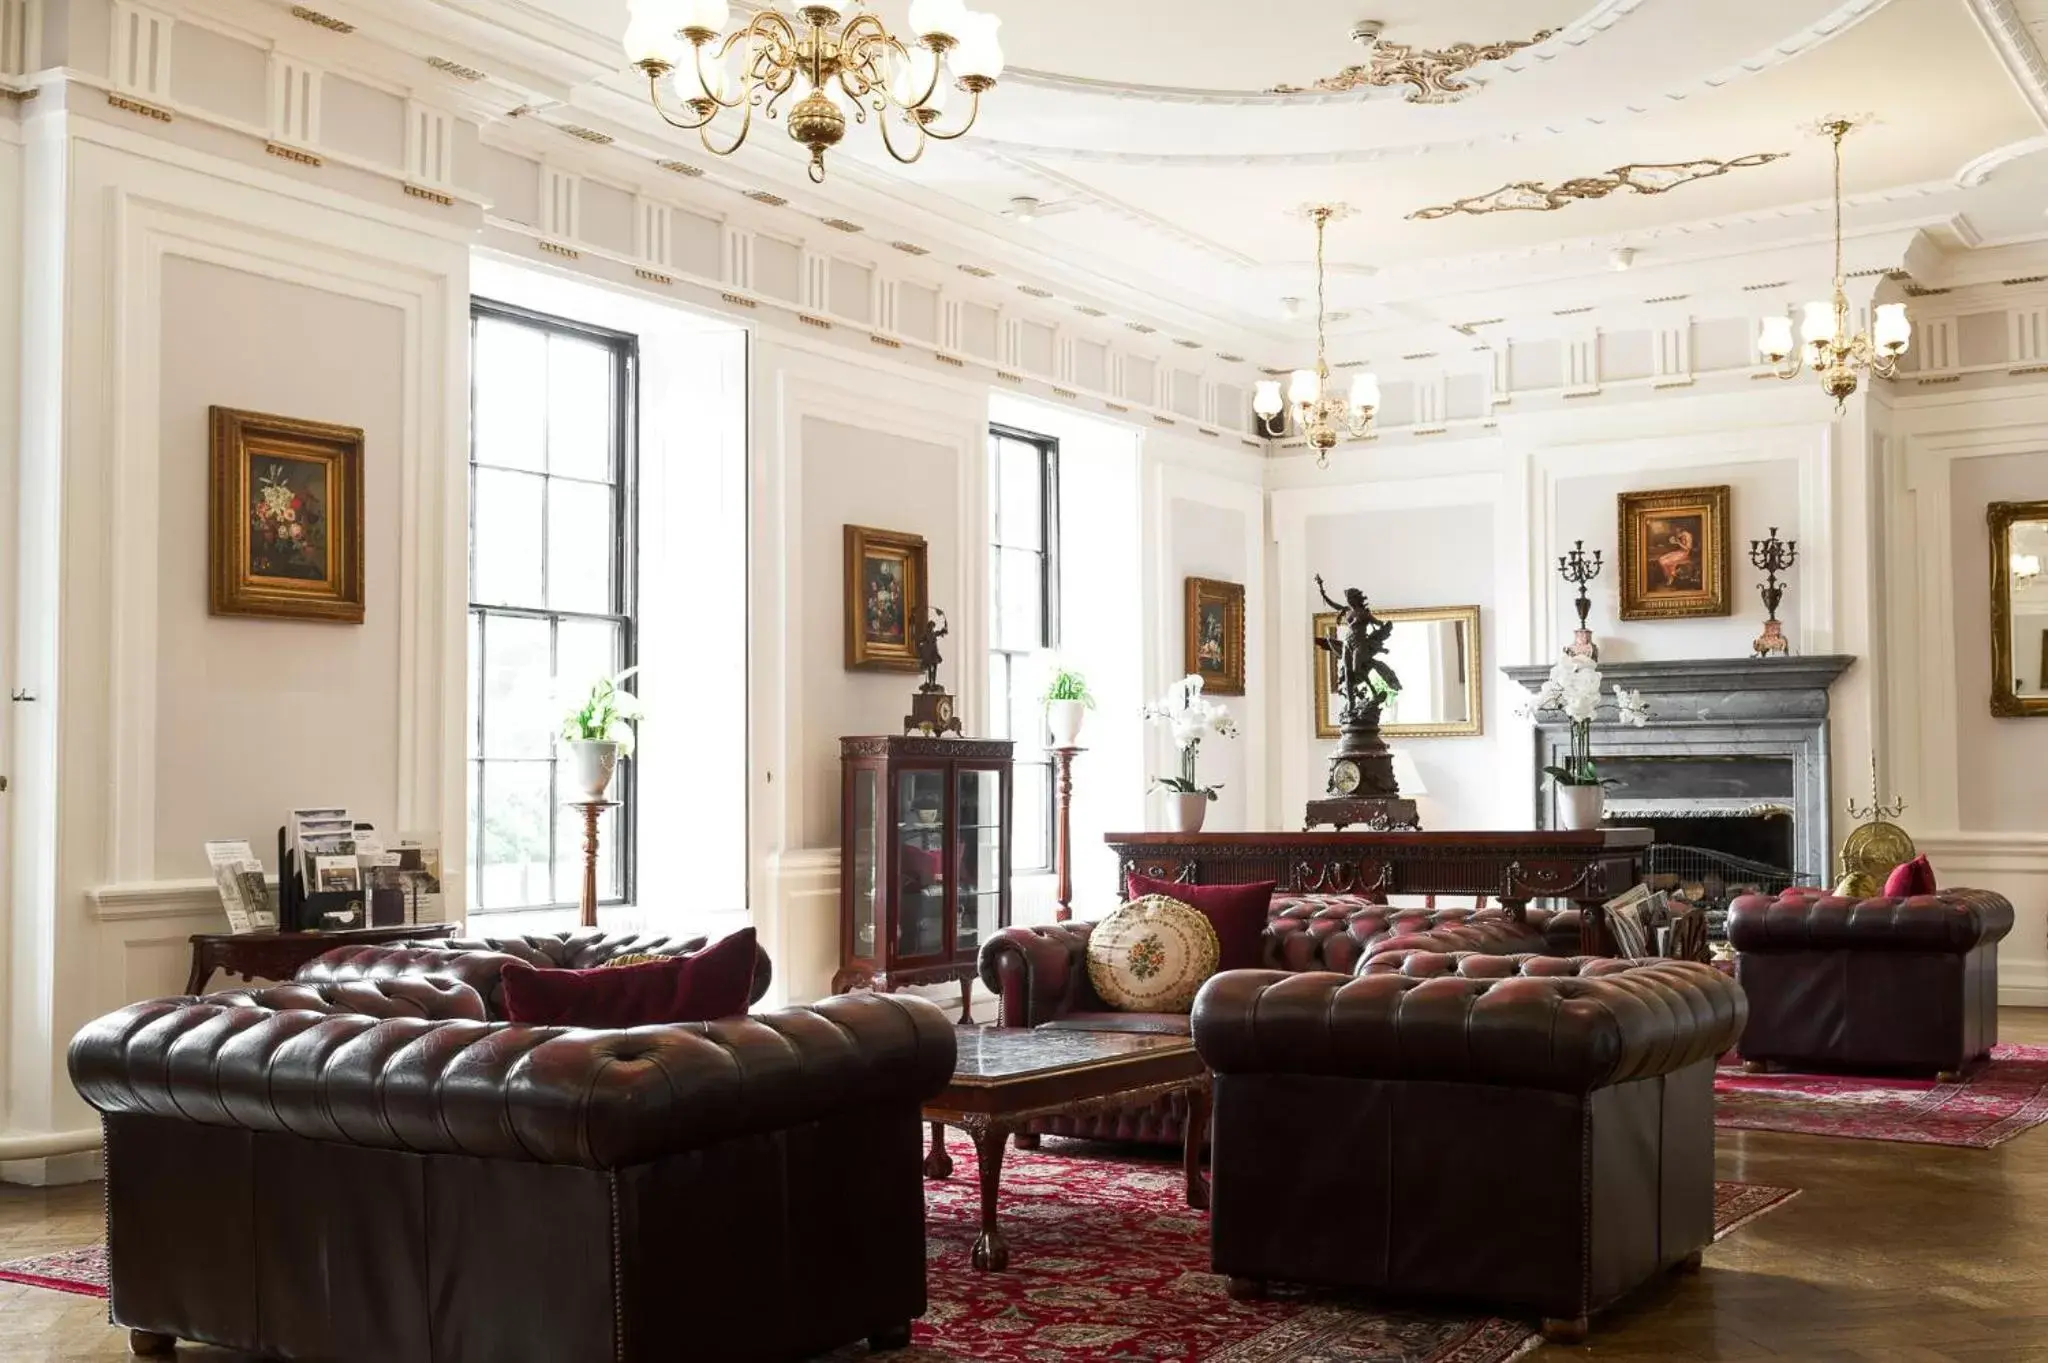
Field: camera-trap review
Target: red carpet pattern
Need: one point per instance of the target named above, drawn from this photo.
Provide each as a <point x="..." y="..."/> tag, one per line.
<point x="1996" y="1101"/>
<point x="1108" y="1265"/>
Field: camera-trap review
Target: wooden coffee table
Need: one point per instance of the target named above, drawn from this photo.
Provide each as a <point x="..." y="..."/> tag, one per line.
<point x="1008" y="1076"/>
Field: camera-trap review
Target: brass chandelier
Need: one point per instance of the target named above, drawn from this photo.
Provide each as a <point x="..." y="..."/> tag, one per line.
<point x="1323" y="416"/>
<point x="904" y="84"/>
<point x="1833" y="351"/>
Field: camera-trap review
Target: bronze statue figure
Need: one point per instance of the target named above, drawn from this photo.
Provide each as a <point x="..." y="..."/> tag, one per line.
<point x="924" y="637"/>
<point x="1360" y="639"/>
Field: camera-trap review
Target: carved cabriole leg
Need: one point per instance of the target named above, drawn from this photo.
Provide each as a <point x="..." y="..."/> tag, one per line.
<point x="1196" y="1136"/>
<point x="991" y="1250"/>
<point x="1559" y="1330"/>
<point x="889" y="1340"/>
<point x="967" y="1001"/>
<point x="1247" y="1289"/>
<point x="149" y="1344"/>
<point x="938" y="1164"/>
<point x="1518" y="909"/>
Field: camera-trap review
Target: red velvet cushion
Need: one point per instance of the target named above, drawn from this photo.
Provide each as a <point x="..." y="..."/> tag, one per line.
<point x="701" y="987"/>
<point x="1910" y="878"/>
<point x="1237" y="912"/>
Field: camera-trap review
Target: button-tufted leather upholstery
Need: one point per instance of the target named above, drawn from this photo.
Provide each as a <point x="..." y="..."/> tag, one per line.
<point x="1565" y="1105"/>
<point x="1906" y="984"/>
<point x="387" y="1174"/>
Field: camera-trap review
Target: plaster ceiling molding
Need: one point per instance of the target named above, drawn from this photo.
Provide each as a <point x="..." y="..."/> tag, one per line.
<point x="2012" y="37"/>
<point x="1979" y="171"/>
<point x="1421" y="75"/>
<point x="1530" y="196"/>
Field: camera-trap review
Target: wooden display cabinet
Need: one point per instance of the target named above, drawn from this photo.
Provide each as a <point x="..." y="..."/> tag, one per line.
<point x="924" y="859"/>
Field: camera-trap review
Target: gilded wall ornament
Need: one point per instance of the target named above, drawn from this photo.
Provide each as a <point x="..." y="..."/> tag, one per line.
<point x="1531" y="196"/>
<point x="1432" y="76"/>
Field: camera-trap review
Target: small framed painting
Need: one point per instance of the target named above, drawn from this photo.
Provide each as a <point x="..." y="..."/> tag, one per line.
<point x="1674" y="553"/>
<point x="1215" y="635"/>
<point x="286" y="535"/>
<point x="885" y="591"/>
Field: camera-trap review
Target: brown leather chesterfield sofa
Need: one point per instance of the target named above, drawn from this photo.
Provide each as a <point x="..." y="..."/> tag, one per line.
<point x="368" y="1170"/>
<point x="1528" y="1134"/>
<point x="1877" y="984"/>
<point x="1040" y="978"/>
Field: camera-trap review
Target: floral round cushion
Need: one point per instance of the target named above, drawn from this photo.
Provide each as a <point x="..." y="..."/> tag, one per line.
<point x="1151" y="955"/>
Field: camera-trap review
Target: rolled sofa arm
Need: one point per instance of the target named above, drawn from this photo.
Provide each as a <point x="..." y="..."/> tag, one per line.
<point x="586" y="948"/>
<point x="433" y="997"/>
<point x="1813" y="920"/>
<point x="480" y="970"/>
<point x="1038" y="973"/>
<point x="551" y="1095"/>
<point x="1570" y="1032"/>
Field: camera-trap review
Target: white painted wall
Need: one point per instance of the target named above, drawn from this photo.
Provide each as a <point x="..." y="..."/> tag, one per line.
<point x="2003" y="762"/>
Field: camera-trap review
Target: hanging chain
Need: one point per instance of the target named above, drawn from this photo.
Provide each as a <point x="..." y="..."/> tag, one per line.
<point x="1322" y="349"/>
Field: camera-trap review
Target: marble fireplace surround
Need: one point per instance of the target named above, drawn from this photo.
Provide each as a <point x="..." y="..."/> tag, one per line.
<point x="1772" y="710"/>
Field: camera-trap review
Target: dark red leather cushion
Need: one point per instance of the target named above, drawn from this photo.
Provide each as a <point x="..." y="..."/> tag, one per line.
<point x="1910" y="878"/>
<point x="702" y="987"/>
<point x="1237" y="912"/>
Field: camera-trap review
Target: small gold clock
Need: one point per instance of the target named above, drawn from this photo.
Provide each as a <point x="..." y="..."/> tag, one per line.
<point x="1344" y="777"/>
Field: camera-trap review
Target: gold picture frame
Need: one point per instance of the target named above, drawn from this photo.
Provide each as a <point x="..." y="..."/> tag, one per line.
<point x="1213" y="635"/>
<point x="1323" y="670"/>
<point x="2006" y="700"/>
<point x="285" y="538"/>
<point x="1674" y="553"/>
<point x="885" y="595"/>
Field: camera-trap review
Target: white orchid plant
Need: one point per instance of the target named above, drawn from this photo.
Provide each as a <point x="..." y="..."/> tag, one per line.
<point x="1191" y="719"/>
<point x="1574" y="690"/>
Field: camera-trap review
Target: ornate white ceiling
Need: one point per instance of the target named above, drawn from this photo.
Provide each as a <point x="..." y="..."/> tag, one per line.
<point x="1152" y="124"/>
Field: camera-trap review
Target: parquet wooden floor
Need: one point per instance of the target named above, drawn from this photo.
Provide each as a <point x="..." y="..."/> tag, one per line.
<point x="1896" y="1254"/>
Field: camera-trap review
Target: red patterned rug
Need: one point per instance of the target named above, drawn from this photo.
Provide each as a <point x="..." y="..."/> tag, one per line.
<point x="1994" y="1102"/>
<point x="1108" y="1265"/>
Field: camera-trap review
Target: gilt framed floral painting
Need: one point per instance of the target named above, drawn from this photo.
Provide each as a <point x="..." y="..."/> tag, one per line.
<point x="1674" y="553"/>
<point x="1214" y="629"/>
<point x="285" y="540"/>
<point x="885" y="591"/>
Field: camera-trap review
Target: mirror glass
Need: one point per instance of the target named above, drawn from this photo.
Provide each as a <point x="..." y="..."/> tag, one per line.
<point x="1435" y="652"/>
<point x="2019" y="587"/>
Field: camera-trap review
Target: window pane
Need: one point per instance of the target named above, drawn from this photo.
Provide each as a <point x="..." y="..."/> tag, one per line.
<point x="516" y="819"/>
<point x="1020" y="474"/>
<point x="999" y="696"/>
<point x="519" y="711"/>
<point x="476" y="672"/>
<point x="580" y="547"/>
<point x="1033" y="796"/>
<point x="579" y="408"/>
<point x="1027" y="716"/>
<point x="569" y="856"/>
<point x="1020" y="617"/>
<point x="585" y="650"/>
<point x="511" y="394"/>
<point x="469" y="837"/>
<point x="507" y="517"/>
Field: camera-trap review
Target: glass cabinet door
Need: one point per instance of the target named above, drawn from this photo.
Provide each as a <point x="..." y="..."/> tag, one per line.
<point x="921" y="870"/>
<point x="869" y="852"/>
<point x="978" y="839"/>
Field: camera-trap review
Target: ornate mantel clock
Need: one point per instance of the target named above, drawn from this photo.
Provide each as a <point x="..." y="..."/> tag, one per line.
<point x="1362" y="788"/>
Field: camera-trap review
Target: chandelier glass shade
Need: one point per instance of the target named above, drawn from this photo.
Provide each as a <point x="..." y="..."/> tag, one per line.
<point x="752" y="69"/>
<point x="1324" y="415"/>
<point x="1832" y="349"/>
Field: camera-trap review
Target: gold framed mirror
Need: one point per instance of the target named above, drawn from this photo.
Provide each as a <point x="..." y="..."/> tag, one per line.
<point x="1435" y="652"/>
<point x="2019" y="608"/>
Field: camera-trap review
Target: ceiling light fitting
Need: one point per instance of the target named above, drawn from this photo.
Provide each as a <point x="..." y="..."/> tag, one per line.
<point x="903" y="84"/>
<point x="1323" y="416"/>
<point x="1832" y="350"/>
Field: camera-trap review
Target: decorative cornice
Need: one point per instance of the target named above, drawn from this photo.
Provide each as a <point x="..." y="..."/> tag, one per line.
<point x="1531" y="196"/>
<point x="2014" y="42"/>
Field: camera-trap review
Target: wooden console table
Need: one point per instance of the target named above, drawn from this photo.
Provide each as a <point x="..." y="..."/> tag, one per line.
<point x="1586" y="868"/>
<point x="278" y="955"/>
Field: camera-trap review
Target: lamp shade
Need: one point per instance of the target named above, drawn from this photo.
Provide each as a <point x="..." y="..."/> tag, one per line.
<point x="910" y="76"/>
<point x="1303" y="387"/>
<point x="942" y="17"/>
<point x="710" y="16"/>
<point x="1407" y="775"/>
<point x="649" y="39"/>
<point x="1889" y="328"/>
<point x="1819" y="324"/>
<point x="1266" y="398"/>
<point x="1774" y="338"/>
<point x="1365" y="392"/>
<point x="980" y="52"/>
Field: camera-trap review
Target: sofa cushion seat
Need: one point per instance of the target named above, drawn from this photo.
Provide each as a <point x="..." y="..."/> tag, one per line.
<point x="1162" y="1024"/>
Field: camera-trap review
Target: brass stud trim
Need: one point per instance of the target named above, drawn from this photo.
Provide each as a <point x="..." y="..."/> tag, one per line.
<point x="556" y="248"/>
<point x="762" y="196"/>
<point x="431" y="196"/>
<point x="1116" y="406"/>
<point x="1189" y="345"/>
<point x="887" y="342"/>
<point x="1164" y="420"/>
<point x="1668" y="298"/>
<point x="1940" y="379"/>
<point x="1431" y="430"/>
<point x="682" y="168"/>
<point x="1570" y="312"/>
<point x="842" y="225"/>
<point x="326" y="21"/>
<point x="949" y="359"/>
<point x="1915" y="291"/>
<point x="978" y="271"/>
<point x="810" y="321"/>
<point x="739" y="300"/>
<point x="1773" y="284"/>
<point x="1229" y="359"/>
<point x="1087" y="311"/>
<point x="19" y="96"/>
<point x="1141" y="328"/>
<point x="136" y="106"/>
<point x="2024" y="279"/>
<point x="909" y="248"/>
<point x="583" y="134"/>
<point x="455" y="69"/>
<point x="1033" y="291"/>
<point x="2027" y="369"/>
<point x="1007" y="377"/>
<point x="1065" y="392"/>
<point x="304" y="158"/>
<point x="1421" y="355"/>
<point x="1583" y="393"/>
<point x="653" y="276"/>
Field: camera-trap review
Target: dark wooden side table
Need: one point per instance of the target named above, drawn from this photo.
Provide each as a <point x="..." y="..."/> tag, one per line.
<point x="1006" y="1076"/>
<point x="278" y="955"/>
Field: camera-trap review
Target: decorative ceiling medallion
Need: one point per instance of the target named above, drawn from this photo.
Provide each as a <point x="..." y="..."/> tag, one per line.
<point x="842" y="225"/>
<point x="1432" y="76"/>
<point x="1529" y="196"/>
<point x="455" y="69"/>
<point x="326" y="21"/>
<point x="762" y="196"/>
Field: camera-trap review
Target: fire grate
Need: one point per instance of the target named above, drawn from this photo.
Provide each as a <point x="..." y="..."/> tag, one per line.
<point x="1712" y="880"/>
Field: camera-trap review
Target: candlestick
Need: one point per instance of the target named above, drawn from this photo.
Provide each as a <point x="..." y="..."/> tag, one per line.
<point x="1772" y="556"/>
<point x="1578" y="569"/>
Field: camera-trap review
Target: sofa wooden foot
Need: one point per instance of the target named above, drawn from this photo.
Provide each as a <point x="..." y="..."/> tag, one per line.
<point x="1690" y="1263"/>
<point x="1026" y="1140"/>
<point x="889" y="1340"/>
<point x="1247" y="1289"/>
<point x="150" y="1344"/>
<point x="1756" y="1067"/>
<point x="1948" y="1076"/>
<point x="1562" y="1330"/>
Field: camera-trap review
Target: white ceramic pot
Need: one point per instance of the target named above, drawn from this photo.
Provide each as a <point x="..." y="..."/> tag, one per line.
<point x="1581" y="807"/>
<point x="1188" y="812"/>
<point x="1063" y="718"/>
<point x="591" y="764"/>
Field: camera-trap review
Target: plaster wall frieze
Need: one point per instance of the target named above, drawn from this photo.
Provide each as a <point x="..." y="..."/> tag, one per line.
<point x="2014" y="42"/>
<point x="1840" y="20"/>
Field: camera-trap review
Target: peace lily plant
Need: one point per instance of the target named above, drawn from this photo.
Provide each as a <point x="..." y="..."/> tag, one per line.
<point x="1191" y="719"/>
<point x="1573" y="689"/>
<point x="598" y="730"/>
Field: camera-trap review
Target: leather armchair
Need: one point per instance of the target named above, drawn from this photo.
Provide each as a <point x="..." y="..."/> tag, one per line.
<point x="1881" y="984"/>
<point x="378" y="1172"/>
<point x="1566" y="1105"/>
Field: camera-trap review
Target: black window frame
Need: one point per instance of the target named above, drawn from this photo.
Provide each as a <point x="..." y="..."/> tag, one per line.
<point x="1048" y="448"/>
<point x="625" y="348"/>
